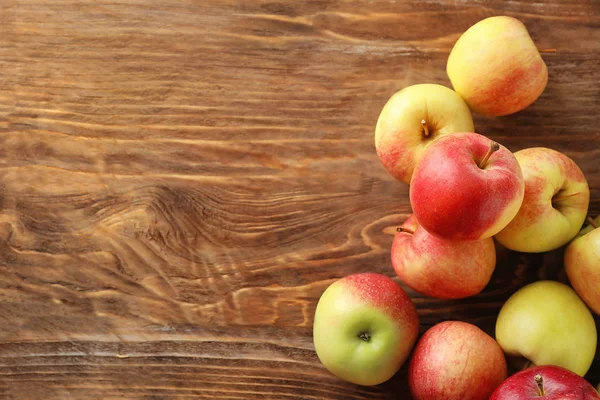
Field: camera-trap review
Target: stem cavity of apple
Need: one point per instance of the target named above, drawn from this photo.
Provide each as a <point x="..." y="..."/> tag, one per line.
<point x="493" y="148"/>
<point x="540" y="385"/>
<point x="366" y="336"/>
<point x="424" y="128"/>
<point x="566" y="196"/>
<point x="593" y="223"/>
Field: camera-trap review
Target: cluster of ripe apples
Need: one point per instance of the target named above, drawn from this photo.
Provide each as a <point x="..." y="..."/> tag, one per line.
<point x="466" y="189"/>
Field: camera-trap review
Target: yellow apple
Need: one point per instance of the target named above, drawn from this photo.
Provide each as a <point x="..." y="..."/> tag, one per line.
<point x="582" y="263"/>
<point x="413" y="118"/>
<point x="555" y="203"/>
<point x="496" y="67"/>
<point x="548" y="324"/>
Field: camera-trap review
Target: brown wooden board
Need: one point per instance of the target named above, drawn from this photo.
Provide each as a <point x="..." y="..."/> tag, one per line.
<point x="181" y="180"/>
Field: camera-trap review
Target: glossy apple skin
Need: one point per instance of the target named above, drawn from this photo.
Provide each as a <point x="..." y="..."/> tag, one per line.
<point x="547" y="323"/>
<point x="454" y="199"/>
<point x="496" y="67"/>
<point x="455" y="360"/>
<point x="399" y="138"/>
<point x="582" y="264"/>
<point x="365" y="302"/>
<point x="558" y="383"/>
<point x="539" y="225"/>
<point x="441" y="268"/>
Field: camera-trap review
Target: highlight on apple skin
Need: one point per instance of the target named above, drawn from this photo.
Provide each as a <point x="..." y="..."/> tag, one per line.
<point x="441" y="268"/>
<point x="582" y="264"/>
<point x="466" y="187"/>
<point x="412" y="119"/>
<point x="496" y="67"/>
<point x="547" y="382"/>
<point x="365" y="327"/>
<point x="455" y="360"/>
<point x="547" y="323"/>
<point x="554" y="206"/>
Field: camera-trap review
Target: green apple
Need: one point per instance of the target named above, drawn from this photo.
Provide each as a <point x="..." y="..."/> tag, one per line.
<point x="496" y="67"/>
<point x="548" y="324"/>
<point x="554" y="206"/>
<point x="582" y="264"/>
<point x="412" y="119"/>
<point x="365" y="327"/>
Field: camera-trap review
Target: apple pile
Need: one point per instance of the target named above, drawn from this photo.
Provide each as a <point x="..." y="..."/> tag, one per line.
<point x="466" y="190"/>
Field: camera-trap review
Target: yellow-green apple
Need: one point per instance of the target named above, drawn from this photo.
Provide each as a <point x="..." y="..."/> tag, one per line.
<point x="413" y="118"/>
<point x="546" y="323"/>
<point x="466" y="187"/>
<point x="555" y="203"/>
<point x="365" y="327"/>
<point x="455" y="360"/>
<point x="496" y="67"/>
<point x="582" y="263"/>
<point x="547" y="382"/>
<point x="441" y="268"/>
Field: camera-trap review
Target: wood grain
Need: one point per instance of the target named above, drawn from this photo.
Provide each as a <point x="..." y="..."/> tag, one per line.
<point x="180" y="181"/>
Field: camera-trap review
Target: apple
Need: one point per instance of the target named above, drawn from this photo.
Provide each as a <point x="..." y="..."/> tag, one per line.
<point x="555" y="203"/>
<point x="365" y="327"/>
<point x="582" y="263"/>
<point x="548" y="324"/>
<point x="441" y="268"/>
<point x="455" y="360"/>
<point x="466" y="187"/>
<point x="412" y="119"/>
<point x="546" y="382"/>
<point x="496" y="67"/>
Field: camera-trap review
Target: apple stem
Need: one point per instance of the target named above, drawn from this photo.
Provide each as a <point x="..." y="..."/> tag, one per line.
<point x="425" y="128"/>
<point x="547" y="50"/>
<point x="540" y="384"/>
<point x="560" y="198"/>
<point x="592" y="222"/>
<point x="405" y="230"/>
<point x="493" y="148"/>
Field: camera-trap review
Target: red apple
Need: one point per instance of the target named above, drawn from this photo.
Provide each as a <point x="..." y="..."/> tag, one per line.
<point x="545" y="382"/>
<point x="441" y="268"/>
<point x="455" y="360"/>
<point x="466" y="187"/>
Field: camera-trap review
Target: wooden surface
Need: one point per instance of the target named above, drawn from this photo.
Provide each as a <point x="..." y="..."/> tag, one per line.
<point x="180" y="181"/>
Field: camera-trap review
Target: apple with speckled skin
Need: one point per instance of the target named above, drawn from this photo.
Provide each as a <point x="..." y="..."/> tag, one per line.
<point x="546" y="323"/>
<point x="412" y="119"/>
<point x="365" y="327"/>
<point x="441" y="268"/>
<point x="455" y="360"/>
<point x="582" y="263"/>
<point x="547" y="382"/>
<point x="466" y="187"/>
<point x="555" y="203"/>
<point x="496" y="67"/>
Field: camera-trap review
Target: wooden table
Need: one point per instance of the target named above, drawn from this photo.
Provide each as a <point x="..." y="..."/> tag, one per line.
<point x="180" y="181"/>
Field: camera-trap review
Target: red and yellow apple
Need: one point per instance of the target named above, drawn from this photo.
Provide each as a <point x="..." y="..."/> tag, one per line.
<point x="466" y="187"/>
<point x="441" y="268"/>
<point x="456" y="360"/>
<point x="365" y="327"/>
<point x="546" y="323"/>
<point x="496" y="67"/>
<point x="555" y="203"/>
<point x="412" y="119"/>
<point x="547" y="382"/>
<point x="582" y="264"/>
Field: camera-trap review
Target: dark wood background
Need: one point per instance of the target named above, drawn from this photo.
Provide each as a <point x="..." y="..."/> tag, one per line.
<point x="180" y="181"/>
